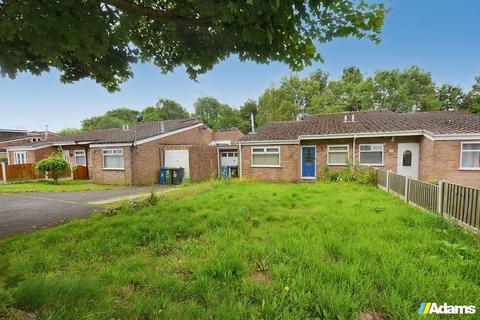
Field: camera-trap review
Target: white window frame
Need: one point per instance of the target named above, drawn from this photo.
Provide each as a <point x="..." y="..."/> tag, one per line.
<point x="336" y="151"/>
<point x="371" y="164"/>
<point x="461" y="156"/>
<point x="84" y="155"/>
<point x="112" y="150"/>
<point x="15" y="159"/>
<point x="265" y="152"/>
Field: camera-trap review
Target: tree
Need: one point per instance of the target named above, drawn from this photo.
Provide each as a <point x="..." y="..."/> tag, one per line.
<point x="472" y="101"/>
<point x="111" y="119"/>
<point x="54" y="166"/>
<point x="165" y="110"/>
<point x="68" y="131"/>
<point x="249" y="107"/>
<point x="101" y="39"/>
<point x="450" y="97"/>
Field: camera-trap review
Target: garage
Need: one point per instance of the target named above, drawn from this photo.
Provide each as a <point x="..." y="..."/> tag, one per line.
<point x="178" y="159"/>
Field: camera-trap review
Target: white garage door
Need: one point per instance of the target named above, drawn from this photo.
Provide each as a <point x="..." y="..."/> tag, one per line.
<point x="177" y="159"/>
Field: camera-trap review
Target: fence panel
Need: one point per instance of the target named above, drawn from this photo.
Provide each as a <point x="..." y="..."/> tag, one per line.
<point x="18" y="172"/>
<point x="382" y="178"/>
<point x="462" y="203"/>
<point x="423" y="194"/>
<point x="396" y="183"/>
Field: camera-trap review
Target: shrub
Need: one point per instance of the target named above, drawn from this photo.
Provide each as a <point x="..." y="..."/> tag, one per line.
<point x="3" y="159"/>
<point x="54" y="166"/>
<point x="360" y="174"/>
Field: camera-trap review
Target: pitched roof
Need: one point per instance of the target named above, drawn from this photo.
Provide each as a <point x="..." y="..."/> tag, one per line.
<point x="118" y="135"/>
<point x="380" y="121"/>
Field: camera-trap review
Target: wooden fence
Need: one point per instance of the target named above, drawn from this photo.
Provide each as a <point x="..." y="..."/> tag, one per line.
<point x="25" y="172"/>
<point x="450" y="200"/>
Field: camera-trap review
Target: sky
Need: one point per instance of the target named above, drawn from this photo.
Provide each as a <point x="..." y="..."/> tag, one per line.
<point x="440" y="36"/>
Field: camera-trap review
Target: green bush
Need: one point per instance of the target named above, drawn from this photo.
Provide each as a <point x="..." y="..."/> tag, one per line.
<point x="54" y="166"/>
<point x="360" y="174"/>
<point x="4" y="159"/>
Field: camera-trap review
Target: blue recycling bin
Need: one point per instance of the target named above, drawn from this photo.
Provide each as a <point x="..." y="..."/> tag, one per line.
<point x="163" y="175"/>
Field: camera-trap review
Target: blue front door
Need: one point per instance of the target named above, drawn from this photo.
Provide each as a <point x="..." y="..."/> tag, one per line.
<point x="308" y="162"/>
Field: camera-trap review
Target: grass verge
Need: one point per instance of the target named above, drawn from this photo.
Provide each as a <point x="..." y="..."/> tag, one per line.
<point x="48" y="186"/>
<point x="230" y="250"/>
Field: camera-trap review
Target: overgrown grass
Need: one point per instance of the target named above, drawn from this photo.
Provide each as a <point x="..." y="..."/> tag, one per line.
<point x="49" y="186"/>
<point x="231" y="250"/>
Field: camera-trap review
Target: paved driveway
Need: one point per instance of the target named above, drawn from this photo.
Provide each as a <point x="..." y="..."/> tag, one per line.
<point x="24" y="212"/>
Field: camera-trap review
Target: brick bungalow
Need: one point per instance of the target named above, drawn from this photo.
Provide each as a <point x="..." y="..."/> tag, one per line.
<point x="134" y="155"/>
<point x="442" y="145"/>
<point x="11" y="137"/>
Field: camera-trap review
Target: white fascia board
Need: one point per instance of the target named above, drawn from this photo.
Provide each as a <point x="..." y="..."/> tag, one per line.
<point x="268" y="142"/>
<point x="453" y="137"/>
<point x="66" y="143"/>
<point x="363" y="135"/>
<point x="110" y="145"/>
<point x="27" y="148"/>
<point x="163" y="135"/>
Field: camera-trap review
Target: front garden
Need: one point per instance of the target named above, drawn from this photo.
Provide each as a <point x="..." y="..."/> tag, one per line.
<point x="238" y="250"/>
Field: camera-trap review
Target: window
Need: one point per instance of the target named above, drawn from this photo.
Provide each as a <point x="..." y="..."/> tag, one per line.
<point x="470" y="156"/>
<point x="371" y="154"/>
<point x="113" y="159"/>
<point x="337" y="155"/>
<point x="20" y="157"/>
<point x="266" y="157"/>
<point x="407" y="158"/>
<point x="80" y="158"/>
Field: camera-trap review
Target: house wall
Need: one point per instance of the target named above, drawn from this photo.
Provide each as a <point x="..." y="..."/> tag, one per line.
<point x="438" y="160"/>
<point x="233" y="135"/>
<point x="203" y="160"/>
<point x="287" y="172"/>
<point x="442" y="162"/>
<point x="108" y="176"/>
<point x="290" y="157"/>
<point x="147" y="156"/>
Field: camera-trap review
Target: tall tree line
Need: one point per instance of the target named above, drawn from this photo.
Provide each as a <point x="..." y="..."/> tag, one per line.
<point x="408" y="90"/>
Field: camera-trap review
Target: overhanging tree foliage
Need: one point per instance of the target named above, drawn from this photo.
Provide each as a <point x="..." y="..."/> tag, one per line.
<point x="101" y="39"/>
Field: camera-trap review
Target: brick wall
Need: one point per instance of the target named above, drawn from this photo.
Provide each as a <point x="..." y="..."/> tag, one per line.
<point x="148" y="155"/>
<point x="443" y="163"/>
<point x="104" y="176"/>
<point x="203" y="162"/>
<point x="287" y="172"/>
<point x="233" y="135"/>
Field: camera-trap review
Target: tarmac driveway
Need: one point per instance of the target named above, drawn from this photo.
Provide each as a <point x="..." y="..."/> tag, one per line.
<point x="24" y="212"/>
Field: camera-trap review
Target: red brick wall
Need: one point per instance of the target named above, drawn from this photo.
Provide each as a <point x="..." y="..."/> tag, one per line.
<point x="147" y="155"/>
<point x="104" y="176"/>
<point x="288" y="170"/>
<point x="233" y="135"/>
<point x="203" y="162"/>
<point x="443" y="163"/>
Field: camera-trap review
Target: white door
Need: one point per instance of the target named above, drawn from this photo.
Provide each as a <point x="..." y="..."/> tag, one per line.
<point x="407" y="164"/>
<point x="178" y="159"/>
<point x="229" y="158"/>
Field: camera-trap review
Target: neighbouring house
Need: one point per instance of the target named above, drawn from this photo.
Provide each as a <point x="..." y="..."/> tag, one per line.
<point x="12" y="137"/>
<point x="134" y="154"/>
<point x="430" y="146"/>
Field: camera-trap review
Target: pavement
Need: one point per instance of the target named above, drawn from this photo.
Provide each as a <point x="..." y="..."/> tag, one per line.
<point x="25" y="212"/>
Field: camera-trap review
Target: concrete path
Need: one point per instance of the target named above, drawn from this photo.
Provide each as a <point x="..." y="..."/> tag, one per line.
<point x="24" y="212"/>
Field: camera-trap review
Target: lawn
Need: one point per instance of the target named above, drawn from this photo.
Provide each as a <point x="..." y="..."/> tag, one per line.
<point x="232" y="250"/>
<point x="48" y="186"/>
